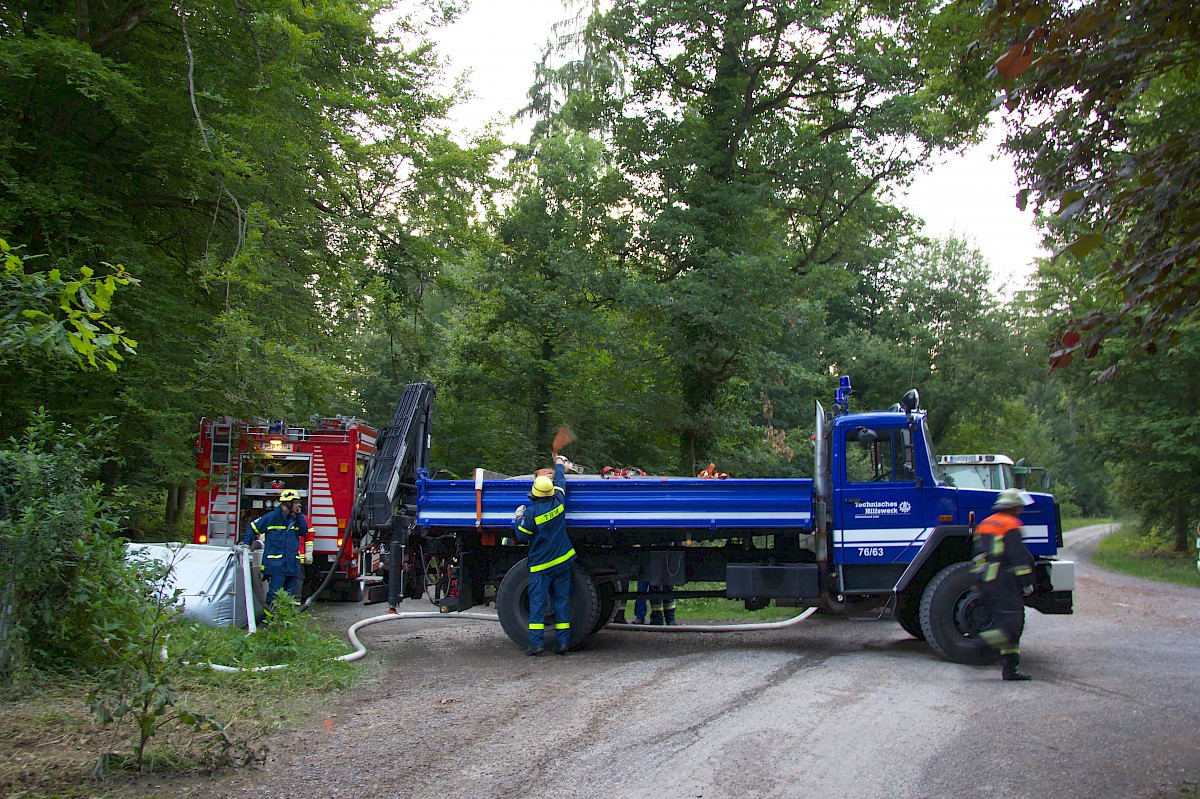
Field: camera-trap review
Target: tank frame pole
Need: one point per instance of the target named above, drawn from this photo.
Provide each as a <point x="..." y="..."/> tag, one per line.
<point x="395" y="573"/>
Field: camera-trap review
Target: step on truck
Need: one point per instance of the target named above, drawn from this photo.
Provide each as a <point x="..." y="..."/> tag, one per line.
<point x="873" y="532"/>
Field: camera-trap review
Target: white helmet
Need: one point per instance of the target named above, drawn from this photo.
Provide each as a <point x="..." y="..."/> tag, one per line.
<point x="1011" y="498"/>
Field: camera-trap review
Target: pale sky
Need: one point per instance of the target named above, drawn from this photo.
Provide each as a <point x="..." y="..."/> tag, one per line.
<point x="972" y="194"/>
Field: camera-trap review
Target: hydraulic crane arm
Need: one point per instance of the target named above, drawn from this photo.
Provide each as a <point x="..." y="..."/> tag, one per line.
<point x="401" y="450"/>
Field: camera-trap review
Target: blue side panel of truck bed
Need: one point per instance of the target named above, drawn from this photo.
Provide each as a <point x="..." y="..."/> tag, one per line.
<point x="639" y="503"/>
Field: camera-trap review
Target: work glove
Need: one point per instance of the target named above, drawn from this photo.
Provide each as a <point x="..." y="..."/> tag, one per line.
<point x="306" y="558"/>
<point x="519" y="514"/>
<point x="1027" y="590"/>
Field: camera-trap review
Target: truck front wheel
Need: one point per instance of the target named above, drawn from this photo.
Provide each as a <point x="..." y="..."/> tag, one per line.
<point x="908" y="614"/>
<point x="952" y="614"/>
<point x="512" y="605"/>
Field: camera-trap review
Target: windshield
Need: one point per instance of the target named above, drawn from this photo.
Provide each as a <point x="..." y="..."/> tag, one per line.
<point x="929" y="448"/>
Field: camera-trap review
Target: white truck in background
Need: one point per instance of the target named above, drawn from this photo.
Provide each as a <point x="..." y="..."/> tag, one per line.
<point x="992" y="471"/>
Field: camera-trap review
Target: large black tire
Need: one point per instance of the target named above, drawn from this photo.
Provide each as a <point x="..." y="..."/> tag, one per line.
<point x="953" y="613"/>
<point x="607" y="608"/>
<point x="908" y="614"/>
<point x="512" y="605"/>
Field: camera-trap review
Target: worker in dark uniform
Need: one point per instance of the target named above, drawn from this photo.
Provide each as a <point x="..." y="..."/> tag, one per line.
<point x="543" y="525"/>
<point x="1003" y="570"/>
<point x="662" y="605"/>
<point x="287" y="539"/>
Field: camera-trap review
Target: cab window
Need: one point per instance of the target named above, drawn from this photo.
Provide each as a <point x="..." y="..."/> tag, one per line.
<point x="879" y="456"/>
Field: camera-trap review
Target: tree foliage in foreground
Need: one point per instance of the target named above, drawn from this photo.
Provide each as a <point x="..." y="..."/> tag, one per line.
<point x="61" y="317"/>
<point x="1106" y="134"/>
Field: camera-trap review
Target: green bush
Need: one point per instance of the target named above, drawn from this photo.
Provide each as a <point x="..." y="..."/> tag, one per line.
<point x="67" y="594"/>
<point x="289" y="637"/>
<point x="1147" y="553"/>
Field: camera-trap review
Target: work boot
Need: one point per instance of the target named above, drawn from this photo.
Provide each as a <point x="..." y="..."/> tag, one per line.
<point x="618" y="617"/>
<point x="1010" y="671"/>
<point x="669" y="617"/>
<point x="534" y="651"/>
<point x="656" y="617"/>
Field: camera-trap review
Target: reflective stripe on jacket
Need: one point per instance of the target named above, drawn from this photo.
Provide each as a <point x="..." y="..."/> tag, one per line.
<point x="284" y="538"/>
<point x="1000" y="552"/>
<point x="544" y="527"/>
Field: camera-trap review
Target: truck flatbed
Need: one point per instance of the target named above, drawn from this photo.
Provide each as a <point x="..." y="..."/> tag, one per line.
<point x="598" y="506"/>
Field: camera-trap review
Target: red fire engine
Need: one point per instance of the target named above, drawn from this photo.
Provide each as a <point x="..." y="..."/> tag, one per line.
<point x="246" y="463"/>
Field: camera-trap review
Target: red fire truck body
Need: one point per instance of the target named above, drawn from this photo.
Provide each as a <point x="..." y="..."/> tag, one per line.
<point x="245" y="464"/>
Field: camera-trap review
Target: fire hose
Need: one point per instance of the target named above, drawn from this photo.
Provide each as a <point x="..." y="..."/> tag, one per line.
<point x="360" y="650"/>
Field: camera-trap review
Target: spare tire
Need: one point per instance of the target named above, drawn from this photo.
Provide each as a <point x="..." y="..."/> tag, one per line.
<point x="512" y="605"/>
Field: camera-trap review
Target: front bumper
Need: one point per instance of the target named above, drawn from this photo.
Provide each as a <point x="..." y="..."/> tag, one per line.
<point x="1054" y="584"/>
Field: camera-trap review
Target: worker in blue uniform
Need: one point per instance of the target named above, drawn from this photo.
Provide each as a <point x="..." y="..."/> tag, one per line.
<point x="287" y="540"/>
<point x="543" y="525"/>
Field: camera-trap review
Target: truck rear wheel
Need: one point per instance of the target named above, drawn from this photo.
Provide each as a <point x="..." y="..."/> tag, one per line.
<point x="512" y="605"/>
<point x="952" y="614"/>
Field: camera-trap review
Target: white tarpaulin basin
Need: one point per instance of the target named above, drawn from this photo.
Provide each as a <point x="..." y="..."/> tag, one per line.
<point x="213" y="581"/>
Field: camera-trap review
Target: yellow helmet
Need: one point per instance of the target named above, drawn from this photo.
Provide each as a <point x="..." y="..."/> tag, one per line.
<point x="543" y="486"/>
<point x="288" y="495"/>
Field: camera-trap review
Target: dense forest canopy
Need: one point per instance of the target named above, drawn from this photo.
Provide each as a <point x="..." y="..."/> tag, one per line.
<point x="694" y="243"/>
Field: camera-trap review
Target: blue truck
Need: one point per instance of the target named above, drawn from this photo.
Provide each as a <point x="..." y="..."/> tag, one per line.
<point x="874" y="531"/>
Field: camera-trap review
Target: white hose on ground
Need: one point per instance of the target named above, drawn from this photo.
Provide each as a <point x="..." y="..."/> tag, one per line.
<point x="360" y="651"/>
<point x="714" y="628"/>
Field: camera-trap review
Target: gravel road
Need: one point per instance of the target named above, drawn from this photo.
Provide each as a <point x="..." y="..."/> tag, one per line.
<point x="832" y="708"/>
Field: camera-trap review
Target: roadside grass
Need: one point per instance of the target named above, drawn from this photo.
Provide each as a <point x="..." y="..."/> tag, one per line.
<point x="1074" y="523"/>
<point x="726" y="610"/>
<point x="1147" y="555"/>
<point x="50" y="744"/>
<point x="718" y="609"/>
<point x="1186" y="790"/>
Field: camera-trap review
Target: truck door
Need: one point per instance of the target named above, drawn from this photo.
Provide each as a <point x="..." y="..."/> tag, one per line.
<point x="877" y="506"/>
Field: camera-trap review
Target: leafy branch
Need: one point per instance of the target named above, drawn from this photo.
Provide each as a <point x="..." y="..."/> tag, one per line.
<point x="60" y="315"/>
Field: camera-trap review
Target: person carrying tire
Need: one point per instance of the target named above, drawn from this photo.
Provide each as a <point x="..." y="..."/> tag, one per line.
<point x="543" y="525"/>
<point x="287" y="539"/>
<point x="1003" y="571"/>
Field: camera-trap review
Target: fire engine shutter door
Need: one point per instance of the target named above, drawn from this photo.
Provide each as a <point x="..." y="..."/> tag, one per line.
<point x="211" y="579"/>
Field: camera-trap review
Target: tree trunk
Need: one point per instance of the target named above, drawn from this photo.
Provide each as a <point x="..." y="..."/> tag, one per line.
<point x="176" y="501"/>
